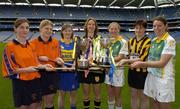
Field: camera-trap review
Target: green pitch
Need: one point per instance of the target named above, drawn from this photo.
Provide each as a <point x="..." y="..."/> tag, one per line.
<point x="6" y="101"/>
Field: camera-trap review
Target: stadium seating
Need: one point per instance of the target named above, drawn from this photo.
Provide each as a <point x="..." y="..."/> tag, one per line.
<point x="79" y="14"/>
<point x="83" y="13"/>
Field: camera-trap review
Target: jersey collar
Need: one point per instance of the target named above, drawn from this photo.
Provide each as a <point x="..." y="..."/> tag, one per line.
<point x="140" y="39"/>
<point x="41" y="40"/>
<point x="119" y="38"/>
<point x="62" y="40"/>
<point x="164" y="37"/>
<point x="18" y="43"/>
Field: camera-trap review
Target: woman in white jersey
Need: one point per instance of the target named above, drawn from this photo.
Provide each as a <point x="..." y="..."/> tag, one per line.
<point x="160" y="80"/>
<point x="115" y="78"/>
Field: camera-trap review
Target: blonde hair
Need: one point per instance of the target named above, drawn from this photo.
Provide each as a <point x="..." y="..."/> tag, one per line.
<point x="45" y="23"/>
<point x="114" y="23"/>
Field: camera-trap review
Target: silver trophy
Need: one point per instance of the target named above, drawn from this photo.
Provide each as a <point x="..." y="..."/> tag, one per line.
<point x="83" y="63"/>
<point x="105" y="44"/>
<point x="84" y="45"/>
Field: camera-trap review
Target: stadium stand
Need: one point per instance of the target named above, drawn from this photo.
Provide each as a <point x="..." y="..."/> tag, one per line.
<point x="77" y="15"/>
<point x="83" y="13"/>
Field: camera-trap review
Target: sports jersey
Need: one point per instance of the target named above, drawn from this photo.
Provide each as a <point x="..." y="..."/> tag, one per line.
<point x="95" y="46"/>
<point x="165" y="45"/>
<point x="17" y="56"/>
<point x="50" y="49"/>
<point x="119" y="46"/>
<point x="139" y="49"/>
<point x="115" y="77"/>
<point x="67" y="51"/>
<point x="69" y="77"/>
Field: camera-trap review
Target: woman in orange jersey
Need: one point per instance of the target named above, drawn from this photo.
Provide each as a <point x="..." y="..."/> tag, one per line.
<point x="47" y="50"/>
<point x="19" y="64"/>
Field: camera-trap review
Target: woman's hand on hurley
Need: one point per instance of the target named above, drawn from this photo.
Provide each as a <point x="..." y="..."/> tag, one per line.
<point x="59" y="61"/>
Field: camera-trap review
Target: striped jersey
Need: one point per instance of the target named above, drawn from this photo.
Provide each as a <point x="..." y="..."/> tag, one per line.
<point x="139" y="49"/>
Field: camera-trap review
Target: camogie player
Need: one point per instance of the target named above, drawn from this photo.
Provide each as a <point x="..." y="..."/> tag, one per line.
<point x="20" y="65"/>
<point x="90" y="77"/>
<point x="48" y="51"/>
<point x="138" y="50"/>
<point x="115" y="76"/>
<point x="160" y="81"/>
<point x="68" y="81"/>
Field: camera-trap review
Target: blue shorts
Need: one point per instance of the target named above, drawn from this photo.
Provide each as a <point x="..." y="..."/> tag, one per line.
<point x="26" y="92"/>
<point x="68" y="81"/>
<point x="49" y="82"/>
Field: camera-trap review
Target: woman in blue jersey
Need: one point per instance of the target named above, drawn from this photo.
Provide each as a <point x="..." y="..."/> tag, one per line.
<point x="68" y="78"/>
<point x="160" y="81"/>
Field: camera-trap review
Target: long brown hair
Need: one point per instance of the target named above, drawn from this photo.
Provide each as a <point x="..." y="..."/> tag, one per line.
<point x="96" y="27"/>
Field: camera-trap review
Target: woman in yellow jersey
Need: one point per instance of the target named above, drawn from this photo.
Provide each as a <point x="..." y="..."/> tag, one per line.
<point x="138" y="50"/>
<point x="90" y="77"/>
<point x="160" y="81"/>
<point x="20" y="64"/>
<point x="68" y="81"/>
<point x="48" y="52"/>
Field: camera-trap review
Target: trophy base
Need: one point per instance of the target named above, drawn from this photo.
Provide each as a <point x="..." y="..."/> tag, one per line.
<point x="104" y="66"/>
<point x="83" y="68"/>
